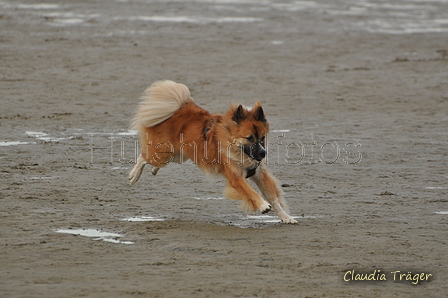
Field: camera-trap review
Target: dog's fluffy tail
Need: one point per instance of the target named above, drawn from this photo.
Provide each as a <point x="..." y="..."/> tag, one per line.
<point x="160" y="102"/>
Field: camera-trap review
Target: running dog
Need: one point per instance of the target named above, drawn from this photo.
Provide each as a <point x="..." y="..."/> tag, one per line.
<point x="172" y="128"/>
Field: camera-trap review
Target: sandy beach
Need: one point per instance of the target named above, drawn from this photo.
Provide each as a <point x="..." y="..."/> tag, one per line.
<point x="357" y="98"/>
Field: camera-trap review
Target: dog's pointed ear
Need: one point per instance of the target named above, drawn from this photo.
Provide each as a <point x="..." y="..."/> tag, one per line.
<point x="238" y="116"/>
<point x="259" y="114"/>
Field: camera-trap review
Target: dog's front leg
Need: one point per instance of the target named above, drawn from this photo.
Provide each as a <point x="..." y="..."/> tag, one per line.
<point x="270" y="188"/>
<point x="238" y="189"/>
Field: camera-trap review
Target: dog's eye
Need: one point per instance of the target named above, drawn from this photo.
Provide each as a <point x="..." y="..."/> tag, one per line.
<point x="250" y="138"/>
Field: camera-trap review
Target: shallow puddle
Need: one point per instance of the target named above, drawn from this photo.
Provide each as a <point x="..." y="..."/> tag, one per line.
<point x="131" y="132"/>
<point x="254" y="220"/>
<point x="143" y="218"/>
<point x="43" y="178"/>
<point x="96" y="234"/>
<point x="12" y="143"/>
<point x="189" y="19"/>
<point x="442" y="212"/>
<point x="209" y="198"/>
<point x="44" y="136"/>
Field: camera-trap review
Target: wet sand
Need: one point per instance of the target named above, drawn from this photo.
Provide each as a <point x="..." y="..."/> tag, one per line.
<point x="357" y="98"/>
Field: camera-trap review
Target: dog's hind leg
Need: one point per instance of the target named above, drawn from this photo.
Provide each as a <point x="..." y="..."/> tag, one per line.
<point x="154" y="170"/>
<point x="137" y="171"/>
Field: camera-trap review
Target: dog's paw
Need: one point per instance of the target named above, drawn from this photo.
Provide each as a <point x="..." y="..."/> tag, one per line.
<point x="134" y="175"/>
<point x="132" y="179"/>
<point x="265" y="208"/>
<point x="289" y="220"/>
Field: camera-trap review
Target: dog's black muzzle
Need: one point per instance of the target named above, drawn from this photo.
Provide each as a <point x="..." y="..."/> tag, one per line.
<point x="255" y="151"/>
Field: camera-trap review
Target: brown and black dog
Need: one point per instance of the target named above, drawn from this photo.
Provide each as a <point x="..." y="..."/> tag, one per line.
<point x="173" y="128"/>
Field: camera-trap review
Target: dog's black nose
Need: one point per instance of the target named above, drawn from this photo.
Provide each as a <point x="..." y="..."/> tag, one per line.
<point x="255" y="151"/>
<point x="259" y="152"/>
<point x="260" y="156"/>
